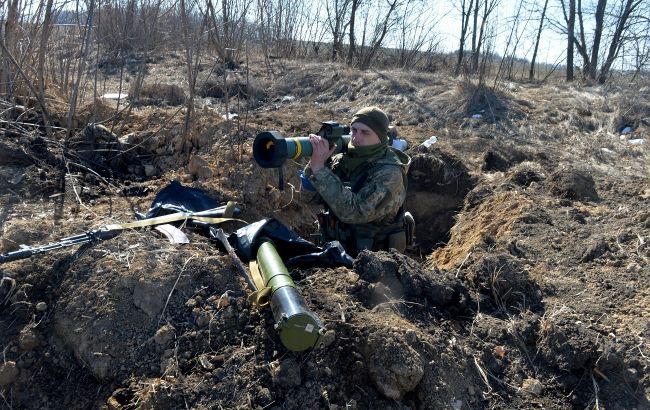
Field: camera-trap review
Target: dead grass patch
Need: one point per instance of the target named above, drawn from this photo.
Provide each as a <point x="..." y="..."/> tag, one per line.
<point x="494" y="217"/>
<point x="159" y="94"/>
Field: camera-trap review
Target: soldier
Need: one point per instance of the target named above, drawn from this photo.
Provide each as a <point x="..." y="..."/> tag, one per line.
<point x="363" y="189"/>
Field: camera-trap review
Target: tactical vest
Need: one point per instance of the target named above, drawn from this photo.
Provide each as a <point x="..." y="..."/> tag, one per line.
<point x="371" y="236"/>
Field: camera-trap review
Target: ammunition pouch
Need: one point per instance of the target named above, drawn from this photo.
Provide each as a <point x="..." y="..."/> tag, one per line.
<point x="356" y="237"/>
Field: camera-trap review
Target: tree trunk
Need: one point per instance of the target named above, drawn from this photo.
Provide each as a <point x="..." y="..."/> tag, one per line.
<point x="474" y="60"/>
<point x="531" y="72"/>
<point x="582" y="44"/>
<point x="85" y="46"/>
<point x="45" y="35"/>
<point x="617" y="39"/>
<point x="570" y="40"/>
<point x="353" y="13"/>
<point x="598" y="33"/>
<point x="8" y="40"/>
<point x="464" y="24"/>
<point x="190" y="73"/>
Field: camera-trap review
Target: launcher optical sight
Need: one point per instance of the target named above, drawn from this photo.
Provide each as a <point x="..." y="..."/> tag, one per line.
<point x="271" y="149"/>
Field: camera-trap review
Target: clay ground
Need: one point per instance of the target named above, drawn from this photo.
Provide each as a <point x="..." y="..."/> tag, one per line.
<point x="528" y="285"/>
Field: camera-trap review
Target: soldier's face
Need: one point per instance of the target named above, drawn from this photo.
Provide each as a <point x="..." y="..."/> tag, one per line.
<point x="363" y="135"/>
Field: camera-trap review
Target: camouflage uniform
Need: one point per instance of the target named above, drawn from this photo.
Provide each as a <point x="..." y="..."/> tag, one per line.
<point x="366" y="207"/>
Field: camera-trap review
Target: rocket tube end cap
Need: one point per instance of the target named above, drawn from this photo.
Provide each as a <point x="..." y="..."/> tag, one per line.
<point x="300" y="332"/>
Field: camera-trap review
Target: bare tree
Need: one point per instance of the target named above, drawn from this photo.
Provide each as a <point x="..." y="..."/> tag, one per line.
<point x="228" y="28"/>
<point x="85" y="49"/>
<point x="193" y="37"/>
<point x="45" y="35"/>
<point x="415" y="29"/>
<point x="617" y="39"/>
<point x="465" y="12"/>
<point x="570" y="19"/>
<point x="619" y="17"/>
<point x="478" y="32"/>
<point x="336" y="12"/>
<point x="8" y="39"/>
<point x="506" y="64"/>
<point x="598" y="34"/>
<point x="313" y="31"/>
<point x="379" y="34"/>
<point x="279" y="23"/>
<point x="531" y="72"/>
<point x="353" y="15"/>
<point x="641" y="47"/>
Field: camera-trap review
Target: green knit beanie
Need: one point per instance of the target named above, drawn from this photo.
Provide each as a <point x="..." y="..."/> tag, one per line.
<point x="375" y="118"/>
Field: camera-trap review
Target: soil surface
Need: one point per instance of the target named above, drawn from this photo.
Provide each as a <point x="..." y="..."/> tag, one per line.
<point x="528" y="285"/>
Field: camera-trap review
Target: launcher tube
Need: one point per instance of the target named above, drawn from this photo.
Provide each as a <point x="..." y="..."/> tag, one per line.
<point x="271" y="149"/>
<point x="299" y="327"/>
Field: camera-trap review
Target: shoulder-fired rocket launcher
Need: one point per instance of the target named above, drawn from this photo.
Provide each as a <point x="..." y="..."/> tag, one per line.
<point x="299" y="328"/>
<point x="271" y="149"/>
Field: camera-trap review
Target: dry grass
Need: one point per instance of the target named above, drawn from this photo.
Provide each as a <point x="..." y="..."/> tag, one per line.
<point x="159" y="94"/>
<point x="494" y="217"/>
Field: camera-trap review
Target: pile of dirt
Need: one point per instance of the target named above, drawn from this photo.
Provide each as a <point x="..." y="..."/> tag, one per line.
<point x="573" y="184"/>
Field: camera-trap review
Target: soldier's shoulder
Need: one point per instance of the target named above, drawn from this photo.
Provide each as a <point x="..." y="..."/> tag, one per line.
<point x="387" y="175"/>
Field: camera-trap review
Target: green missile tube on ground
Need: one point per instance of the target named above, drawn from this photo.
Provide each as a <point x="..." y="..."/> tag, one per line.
<point x="299" y="328"/>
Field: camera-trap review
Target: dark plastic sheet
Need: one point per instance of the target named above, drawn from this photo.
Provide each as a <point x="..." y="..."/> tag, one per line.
<point x="178" y="198"/>
<point x="294" y="250"/>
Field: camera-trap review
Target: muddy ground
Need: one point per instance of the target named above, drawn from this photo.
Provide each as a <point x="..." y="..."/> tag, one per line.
<point x="527" y="287"/>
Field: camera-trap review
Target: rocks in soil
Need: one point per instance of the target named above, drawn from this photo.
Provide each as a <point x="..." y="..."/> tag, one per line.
<point x="532" y="386"/>
<point x="149" y="294"/>
<point x="11" y="153"/>
<point x="573" y="184"/>
<point x="391" y="275"/>
<point x="104" y="308"/>
<point x="8" y="373"/>
<point x="437" y="185"/>
<point x="328" y="338"/>
<point x="524" y="328"/>
<point x="394" y="366"/>
<point x="571" y="346"/>
<point x="149" y="170"/>
<point x="28" y="340"/>
<point x="18" y="232"/>
<point x="164" y="335"/>
<point x="595" y="250"/>
<point x="199" y="168"/>
<point x="286" y="373"/>
<point x="100" y="149"/>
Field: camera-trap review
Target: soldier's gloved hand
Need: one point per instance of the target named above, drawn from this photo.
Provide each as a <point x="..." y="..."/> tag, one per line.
<point x="321" y="151"/>
<point x="305" y="182"/>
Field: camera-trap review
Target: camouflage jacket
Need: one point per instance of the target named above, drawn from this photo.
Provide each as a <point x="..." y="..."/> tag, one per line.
<point x="373" y="194"/>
